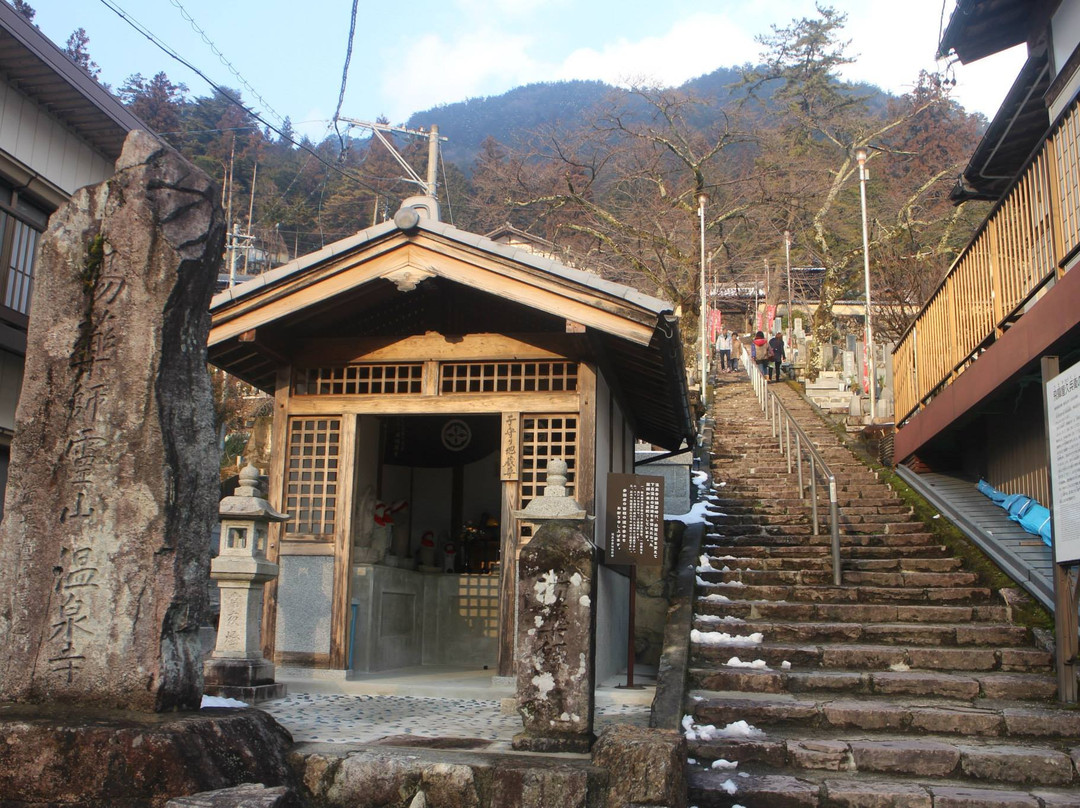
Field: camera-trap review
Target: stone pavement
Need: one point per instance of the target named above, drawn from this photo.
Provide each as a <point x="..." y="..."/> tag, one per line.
<point x="360" y="719"/>
<point x="441" y="702"/>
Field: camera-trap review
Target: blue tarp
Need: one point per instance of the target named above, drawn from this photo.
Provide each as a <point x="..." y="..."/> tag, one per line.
<point x="1028" y="513"/>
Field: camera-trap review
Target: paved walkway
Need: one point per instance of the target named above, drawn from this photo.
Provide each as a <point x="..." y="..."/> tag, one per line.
<point x="443" y="703"/>
<point x="345" y="718"/>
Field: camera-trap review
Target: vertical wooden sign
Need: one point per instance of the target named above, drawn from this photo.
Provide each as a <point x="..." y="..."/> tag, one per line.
<point x="511" y="447"/>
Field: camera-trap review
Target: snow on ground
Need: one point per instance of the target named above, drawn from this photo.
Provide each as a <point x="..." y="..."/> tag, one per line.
<point x="725" y="764"/>
<point x="713" y="618"/>
<point x="757" y="664"/>
<point x="729" y="786"/>
<point x="717" y="598"/>
<point x="696" y="514"/>
<point x="218" y="701"/>
<point x="708" y="732"/>
<point x="723" y="638"/>
<point x="700" y="478"/>
<point x="703" y="564"/>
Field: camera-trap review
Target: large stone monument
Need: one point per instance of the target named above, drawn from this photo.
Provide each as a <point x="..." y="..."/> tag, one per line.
<point x="111" y="499"/>
<point x="556" y="623"/>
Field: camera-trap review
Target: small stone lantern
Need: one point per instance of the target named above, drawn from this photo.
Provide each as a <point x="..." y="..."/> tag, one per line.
<point x="237" y="668"/>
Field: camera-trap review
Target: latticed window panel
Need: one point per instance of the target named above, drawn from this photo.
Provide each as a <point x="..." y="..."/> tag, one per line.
<point x="361" y="380"/>
<point x="312" y="476"/>
<point x="508" y="377"/>
<point x="542" y="438"/>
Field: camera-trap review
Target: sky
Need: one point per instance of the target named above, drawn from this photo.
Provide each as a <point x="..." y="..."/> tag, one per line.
<point x="408" y="57"/>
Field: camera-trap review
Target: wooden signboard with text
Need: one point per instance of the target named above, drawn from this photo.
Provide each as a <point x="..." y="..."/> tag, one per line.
<point x="635" y="520"/>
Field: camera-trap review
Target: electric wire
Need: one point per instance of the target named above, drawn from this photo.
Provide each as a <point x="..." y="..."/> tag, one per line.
<point x="228" y="96"/>
<point x="345" y="77"/>
<point x="221" y="57"/>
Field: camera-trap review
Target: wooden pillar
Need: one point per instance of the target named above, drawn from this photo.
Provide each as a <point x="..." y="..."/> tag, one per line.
<point x="509" y="473"/>
<point x="343" y="562"/>
<point x="279" y="436"/>
<point x="585" y="477"/>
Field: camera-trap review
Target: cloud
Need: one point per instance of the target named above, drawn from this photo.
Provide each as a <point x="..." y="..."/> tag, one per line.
<point x="434" y="70"/>
<point x="693" y="46"/>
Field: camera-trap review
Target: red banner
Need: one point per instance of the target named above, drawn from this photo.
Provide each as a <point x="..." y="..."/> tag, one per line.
<point x="770" y="312"/>
<point x="716" y="323"/>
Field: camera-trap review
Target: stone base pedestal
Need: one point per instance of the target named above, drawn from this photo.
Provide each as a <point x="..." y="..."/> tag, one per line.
<point x="84" y="758"/>
<point x="250" y="680"/>
<point x="525" y="742"/>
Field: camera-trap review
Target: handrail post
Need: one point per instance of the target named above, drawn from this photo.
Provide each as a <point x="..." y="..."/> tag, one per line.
<point x="787" y="430"/>
<point x="798" y="462"/>
<point x="813" y="493"/>
<point x="834" y="519"/>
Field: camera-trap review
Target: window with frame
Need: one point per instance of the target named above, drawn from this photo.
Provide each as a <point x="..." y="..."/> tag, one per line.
<point x="311" y="477"/>
<point x="21" y="226"/>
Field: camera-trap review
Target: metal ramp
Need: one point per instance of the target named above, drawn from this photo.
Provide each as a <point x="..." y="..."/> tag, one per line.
<point x="1020" y="554"/>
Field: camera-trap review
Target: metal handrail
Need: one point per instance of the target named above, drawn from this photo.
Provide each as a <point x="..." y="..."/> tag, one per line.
<point x="783" y="424"/>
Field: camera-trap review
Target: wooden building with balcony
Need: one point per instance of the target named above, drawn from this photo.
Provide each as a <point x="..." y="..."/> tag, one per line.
<point x="968" y="383"/>
<point x="423" y="376"/>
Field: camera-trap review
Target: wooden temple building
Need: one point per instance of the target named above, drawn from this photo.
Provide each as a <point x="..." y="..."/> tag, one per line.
<point x="422" y="377"/>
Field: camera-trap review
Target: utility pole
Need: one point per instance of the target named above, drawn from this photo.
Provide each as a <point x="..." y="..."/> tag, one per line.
<point x="702" y="199"/>
<point x="868" y="350"/>
<point x="378" y="129"/>
<point x="787" y="258"/>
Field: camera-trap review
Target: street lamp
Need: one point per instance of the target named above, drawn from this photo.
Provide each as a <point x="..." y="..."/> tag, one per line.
<point x="868" y="348"/>
<point x="702" y="199"/>
<point x="787" y="258"/>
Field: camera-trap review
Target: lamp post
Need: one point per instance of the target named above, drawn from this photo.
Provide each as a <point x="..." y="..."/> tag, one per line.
<point x="787" y="258"/>
<point x="702" y="199"/>
<point x="868" y="348"/>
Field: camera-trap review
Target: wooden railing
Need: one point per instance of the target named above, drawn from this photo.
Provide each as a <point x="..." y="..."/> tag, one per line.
<point x="1027" y="241"/>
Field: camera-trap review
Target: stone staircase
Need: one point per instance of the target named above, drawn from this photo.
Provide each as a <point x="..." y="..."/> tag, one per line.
<point x="908" y="685"/>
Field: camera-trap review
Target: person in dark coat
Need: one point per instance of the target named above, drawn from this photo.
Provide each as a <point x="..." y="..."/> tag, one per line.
<point x="777" y="346"/>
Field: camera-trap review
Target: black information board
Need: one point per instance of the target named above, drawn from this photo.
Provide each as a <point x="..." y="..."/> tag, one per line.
<point x="635" y="520"/>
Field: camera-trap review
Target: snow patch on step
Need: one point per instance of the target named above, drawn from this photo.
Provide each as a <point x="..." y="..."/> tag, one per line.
<point x="757" y="664"/>
<point x="709" y="732"/>
<point x="723" y="638"/>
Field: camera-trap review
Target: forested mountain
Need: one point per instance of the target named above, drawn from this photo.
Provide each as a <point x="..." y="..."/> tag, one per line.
<point x="622" y="180"/>
<point x="505" y="117"/>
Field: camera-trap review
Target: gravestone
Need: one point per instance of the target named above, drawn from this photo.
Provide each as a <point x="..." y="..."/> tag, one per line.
<point x="112" y="494"/>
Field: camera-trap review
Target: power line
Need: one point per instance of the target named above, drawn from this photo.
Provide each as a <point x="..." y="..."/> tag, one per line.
<point x="168" y="51"/>
<point x="345" y="75"/>
<point x="221" y="57"/>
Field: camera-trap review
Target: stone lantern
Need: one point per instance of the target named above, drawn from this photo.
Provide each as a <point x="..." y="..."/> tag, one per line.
<point x="237" y="668"/>
<point x="556" y="622"/>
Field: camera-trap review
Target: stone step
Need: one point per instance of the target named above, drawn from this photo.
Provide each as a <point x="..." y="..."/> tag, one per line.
<point x="964" y="635"/>
<point x="715" y="546"/>
<point x="801" y="535"/>
<point x="819" y="557"/>
<point x="969" y="687"/>
<point x="870" y="656"/>
<point x="854" y="612"/>
<point x="977" y="760"/>
<point x="823" y="576"/>
<point x="852" y="594"/>
<point x="710" y="790"/>
<point x="892" y="716"/>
